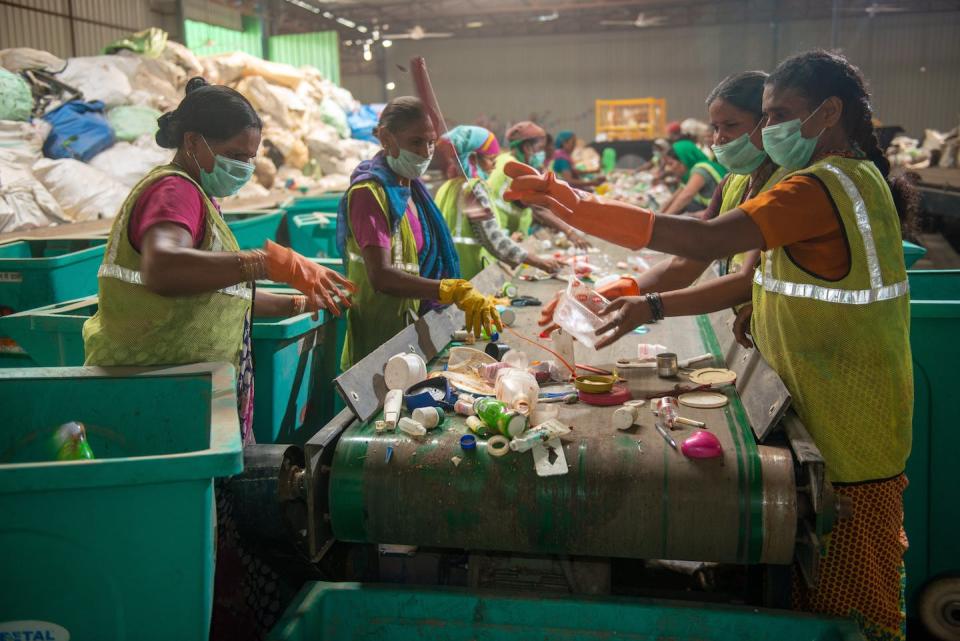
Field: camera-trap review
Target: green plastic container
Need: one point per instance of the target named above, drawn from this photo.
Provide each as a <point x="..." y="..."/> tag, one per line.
<point x="121" y="547"/>
<point x="912" y="253"/>
<point x="34" y="273"/>
<point x="295" y="368"/>
<point x="314" y="235"/>
<point x="253" y="228"/>
<point x="327" y="203"/>
<point x="931" y="519"/>
<point x="351" y="611"/>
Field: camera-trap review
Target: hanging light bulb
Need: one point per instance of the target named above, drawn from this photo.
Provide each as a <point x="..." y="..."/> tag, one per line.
<point x="367" y="54"/>
<point x="388" y="43"/>
<point x="391" y="86"/>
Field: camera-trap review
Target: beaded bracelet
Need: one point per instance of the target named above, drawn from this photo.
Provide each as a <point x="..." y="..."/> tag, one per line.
<point x="656" y="306"/>
<point x="299" y="304"/>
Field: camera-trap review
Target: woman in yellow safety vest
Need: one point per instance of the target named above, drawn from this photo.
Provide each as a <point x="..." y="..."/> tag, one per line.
<point x="466" y="203"/>
<point x="830" y="310"/>
<point x="176" y="289"/>
<point x="395" y="241"/>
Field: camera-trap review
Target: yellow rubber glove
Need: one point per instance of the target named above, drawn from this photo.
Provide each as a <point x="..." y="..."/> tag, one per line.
<point x="619" y="223"/>
<point x="480" y="311"/>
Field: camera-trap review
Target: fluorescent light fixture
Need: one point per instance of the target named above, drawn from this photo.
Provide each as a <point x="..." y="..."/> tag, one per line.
<point x="347" y="23"/>
<point x="476" y="24"/>
<point x="388" y="43"/>
<point x="367" y="55"/>
<point x="376" y="34"/>
<point x="362" y="29"/>
<point x="328" y="15"/>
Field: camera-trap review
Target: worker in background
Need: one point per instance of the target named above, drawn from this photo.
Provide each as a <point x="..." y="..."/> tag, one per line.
<point x="698" y="177"/>
<point x="395" y="241"/>
<point x="465" y="201"/>
<point x="830" y="310"/>
<point x="675" y="132"/>
<point x="176" y="289"/>
<point x="563" y="164"/>
<point x="736" y="115"/>
<point x="527" y="142"/>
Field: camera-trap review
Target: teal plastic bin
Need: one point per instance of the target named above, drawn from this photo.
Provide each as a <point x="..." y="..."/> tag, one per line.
<point x="931" y="518"/>
<point x="912" y="253"/>
<point x="296" y="361"/>
<point x="35" y="272"/>
<point x="351" y="611"/>
<point x="326" y="203"/>
<point x="121" y="547"/>
<point x="253" y="228"/>
<point x="314" y="235"/>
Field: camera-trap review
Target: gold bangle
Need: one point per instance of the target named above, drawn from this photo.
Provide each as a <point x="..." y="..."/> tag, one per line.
<point x="299" y="305"/>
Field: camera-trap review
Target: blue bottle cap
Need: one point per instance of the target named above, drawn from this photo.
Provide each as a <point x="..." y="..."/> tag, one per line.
<point x="468" y="442"/>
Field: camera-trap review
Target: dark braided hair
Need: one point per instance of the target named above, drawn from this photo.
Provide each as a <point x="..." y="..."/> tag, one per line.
<point x="819" y="75"/>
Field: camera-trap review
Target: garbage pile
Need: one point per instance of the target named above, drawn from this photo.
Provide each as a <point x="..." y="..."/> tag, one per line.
<point x="938" y="150"/>
<point x="77" y="134"/>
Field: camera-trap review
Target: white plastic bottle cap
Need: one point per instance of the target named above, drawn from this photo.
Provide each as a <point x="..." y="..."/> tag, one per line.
<point x="624" y="417"/>
<point x="403" y="370"/>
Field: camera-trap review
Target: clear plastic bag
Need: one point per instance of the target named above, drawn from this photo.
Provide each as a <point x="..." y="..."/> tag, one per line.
<point x="577" y="312"/>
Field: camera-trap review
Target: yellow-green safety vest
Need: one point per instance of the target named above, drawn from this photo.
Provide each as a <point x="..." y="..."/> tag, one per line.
<point x="134" y="326"/>
<point x="717" y="178"/>
<point x="376" y="317"/>
<point x="451" y="199"/>
<point x="732" y="193"/>
<point x="843" y="347"/>
<point x="509" y="216"/>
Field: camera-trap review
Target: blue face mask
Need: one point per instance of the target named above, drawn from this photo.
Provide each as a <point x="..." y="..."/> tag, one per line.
<point x="408" y="164"/>
<point x="538" y="159"/>
<point x="785" y="144"/>
<point x="227" y="177"/>
<point x="740" y="156"/>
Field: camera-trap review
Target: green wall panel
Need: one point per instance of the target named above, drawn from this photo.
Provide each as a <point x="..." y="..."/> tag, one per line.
<point x="207" y="39"/>
<point x="320" y="49"/>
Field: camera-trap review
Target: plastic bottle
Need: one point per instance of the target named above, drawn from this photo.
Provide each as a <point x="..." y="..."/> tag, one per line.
<point x="464" y="405"/>
<point x="496" y="415"/>
<point x="667" y="411"/>
<point x="411" y="427"/>
<point x="518" y="389"/>
<point x="70" y="442"/>
<point x="429" y="417"/>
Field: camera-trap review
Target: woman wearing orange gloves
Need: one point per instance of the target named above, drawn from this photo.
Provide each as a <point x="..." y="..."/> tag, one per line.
<point x="830" y="309"/>
<point x="395" y="241"/>
<point x="176" y="289"/>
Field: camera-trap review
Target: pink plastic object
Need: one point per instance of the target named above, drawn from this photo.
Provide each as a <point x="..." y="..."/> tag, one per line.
<point x="702" y="445"/>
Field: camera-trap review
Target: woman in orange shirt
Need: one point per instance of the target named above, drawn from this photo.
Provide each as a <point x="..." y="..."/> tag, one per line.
<point x="830" y="309"/>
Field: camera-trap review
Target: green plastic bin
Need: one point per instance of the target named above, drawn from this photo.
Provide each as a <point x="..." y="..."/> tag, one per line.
<point x="912" y="253"/>
<point x="253" y="228"/>
<point x="38" y="272"/>
<point x="295" y="365"/>
<point x="326" y="203"/>
<point x="351" y="611"/>
<point x="931" y="518"/>
<point x="121" y="547"/>
<point x="314" y="235"/>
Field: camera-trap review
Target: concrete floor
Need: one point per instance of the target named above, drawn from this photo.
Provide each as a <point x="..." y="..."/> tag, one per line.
<point x="940" y="254"/>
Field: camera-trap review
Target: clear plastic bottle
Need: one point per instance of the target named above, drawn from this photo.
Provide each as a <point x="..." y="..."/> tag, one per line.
<point x="518" y="389"/>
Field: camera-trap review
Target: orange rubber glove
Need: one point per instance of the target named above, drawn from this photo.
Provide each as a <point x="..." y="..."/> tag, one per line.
<point x="318" y="284"/>
<point x="623" y="286"/>
<point x="480" y="311"/>
<point x="619" y="223"/>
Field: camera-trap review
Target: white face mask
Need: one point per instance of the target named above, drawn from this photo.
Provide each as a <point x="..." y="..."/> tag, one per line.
<point x="409" y="164"/>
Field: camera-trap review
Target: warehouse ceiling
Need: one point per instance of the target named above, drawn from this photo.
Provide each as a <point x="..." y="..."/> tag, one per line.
<point x="486" y="18"/>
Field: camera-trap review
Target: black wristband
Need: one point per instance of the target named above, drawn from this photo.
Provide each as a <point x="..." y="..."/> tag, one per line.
<point x="656" y="306"/>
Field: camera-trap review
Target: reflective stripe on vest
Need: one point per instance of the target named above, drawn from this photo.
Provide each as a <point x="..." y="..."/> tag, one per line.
<point x="110" y="268"/>
<point x="877" y="292"/>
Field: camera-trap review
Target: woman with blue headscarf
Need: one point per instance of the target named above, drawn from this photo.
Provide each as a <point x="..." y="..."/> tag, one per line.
<point x="394" y="241"/>
<point x="563" y="165"/>
<point x="465" y="202"/>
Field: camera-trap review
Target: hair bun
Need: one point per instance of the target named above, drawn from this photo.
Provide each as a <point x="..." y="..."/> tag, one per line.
<point x="195" y="83"/>
<point x="168" y="133"/>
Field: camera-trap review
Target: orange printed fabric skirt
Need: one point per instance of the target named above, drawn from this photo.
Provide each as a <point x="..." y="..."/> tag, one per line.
<point x="861" y="571"/>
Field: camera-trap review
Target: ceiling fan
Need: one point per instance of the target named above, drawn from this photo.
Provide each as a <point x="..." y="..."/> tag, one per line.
<point x="416" y="33"/>
<point x="875" y="8"/>
<point x="640" y="22"/>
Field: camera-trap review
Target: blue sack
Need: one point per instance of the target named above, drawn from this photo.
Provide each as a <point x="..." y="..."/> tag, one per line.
<point x="80" y="131"/>
<point x="363" y="121"/>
